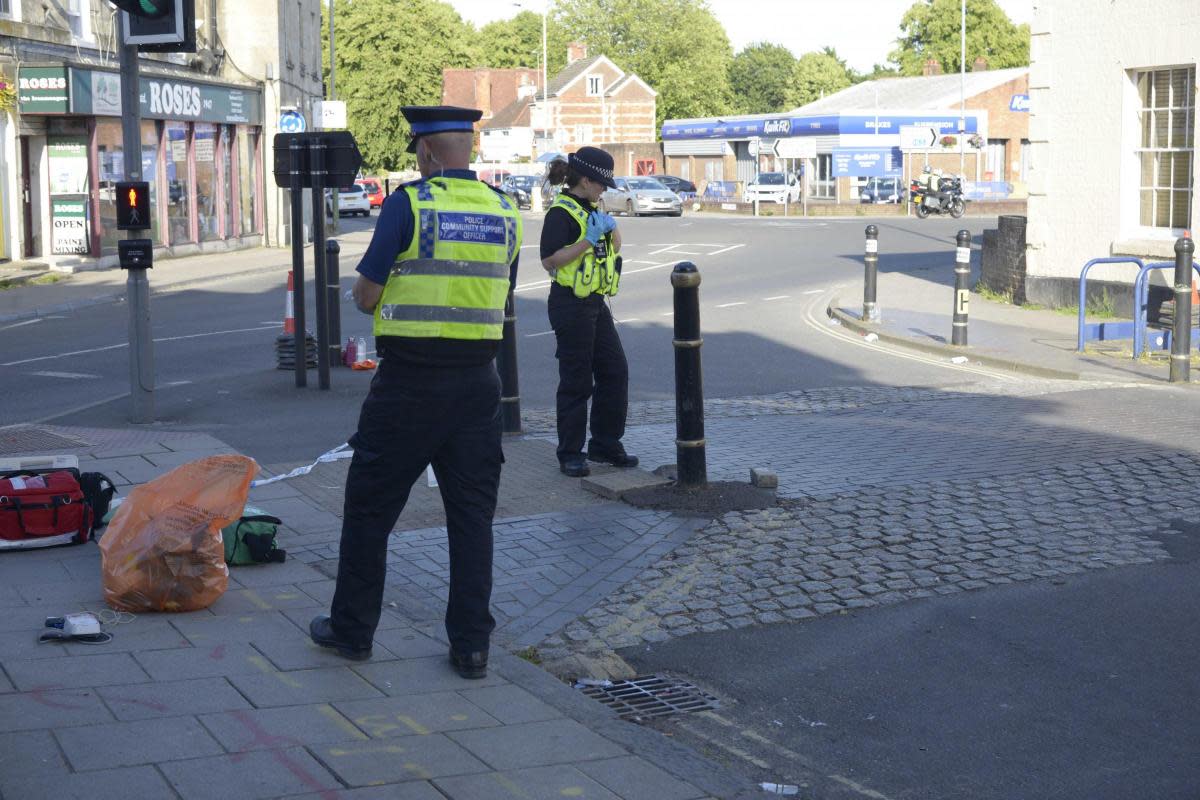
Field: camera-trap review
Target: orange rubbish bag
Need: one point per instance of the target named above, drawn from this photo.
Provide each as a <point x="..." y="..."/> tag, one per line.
<point x="162" y="551"/>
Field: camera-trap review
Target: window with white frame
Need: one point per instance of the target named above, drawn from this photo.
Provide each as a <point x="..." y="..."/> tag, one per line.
<point x="583" y="134"/>
<point x="10" y="9"/>
<point x="79" y="18"/>
<point x="1167" y="125"/>
<point x="595" y="85"/>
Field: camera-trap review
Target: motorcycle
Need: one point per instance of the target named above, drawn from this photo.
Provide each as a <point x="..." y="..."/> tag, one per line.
<point x="952" y="202"/>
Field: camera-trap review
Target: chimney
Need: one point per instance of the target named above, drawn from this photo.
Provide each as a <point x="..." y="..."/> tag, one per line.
<point x="576" y="51"/>
<point x="932" y="67"/>
<point x="483" y="92"/>
<point x="980" y="65"/>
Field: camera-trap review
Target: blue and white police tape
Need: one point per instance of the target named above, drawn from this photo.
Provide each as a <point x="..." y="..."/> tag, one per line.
<point x="338" y="453"/>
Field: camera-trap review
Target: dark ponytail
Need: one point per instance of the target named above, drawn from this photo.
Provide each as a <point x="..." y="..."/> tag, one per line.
<point x="559" y="172"/>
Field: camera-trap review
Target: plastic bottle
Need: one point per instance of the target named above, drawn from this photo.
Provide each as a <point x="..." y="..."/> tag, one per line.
<point x="361" y="349"/>
<point x="349" y="356"/>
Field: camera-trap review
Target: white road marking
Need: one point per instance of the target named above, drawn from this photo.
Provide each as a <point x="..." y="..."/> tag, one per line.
<point x="644" y="269"/>
<point x="662" y="249"/>
<point x="776" y="297"/>
<point x="813" y="291"/>
<point x="688" y="253"/>
<point x="67" y="375"/>
<point x="126" y="344"/>
<point x="627" y="321"/>
<point x="534" y="335"/>
<point x="668" y="314"/>
<point x="528" y="286"/>
<point x="20" y="324"/>
<point x="730" y="305"/>
<point x="726" y="249"/>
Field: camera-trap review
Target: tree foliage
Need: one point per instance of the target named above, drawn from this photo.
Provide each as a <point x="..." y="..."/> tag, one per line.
<point x="382" y="65"/>
<point x="677" y="46"/>
<point x="760" y="77"/>
<point x="816" y="75"/>
<point x="517" y="42"/>
<point x="931" y="29"/>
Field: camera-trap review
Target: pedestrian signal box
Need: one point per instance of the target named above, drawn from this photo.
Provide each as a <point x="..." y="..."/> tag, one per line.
<point x="133" y="205"/>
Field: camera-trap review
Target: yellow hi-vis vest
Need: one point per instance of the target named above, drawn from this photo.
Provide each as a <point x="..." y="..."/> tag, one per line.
<point x="588" y="274"/>
<point x="452" y="280"/>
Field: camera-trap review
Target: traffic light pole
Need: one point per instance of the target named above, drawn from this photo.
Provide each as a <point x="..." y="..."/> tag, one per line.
<point x="137" y="286"/>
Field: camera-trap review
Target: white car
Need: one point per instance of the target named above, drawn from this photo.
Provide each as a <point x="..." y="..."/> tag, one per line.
<point x="352" y="200"/>
<point x="772" y="187"/>
<point x="640" y="195"/>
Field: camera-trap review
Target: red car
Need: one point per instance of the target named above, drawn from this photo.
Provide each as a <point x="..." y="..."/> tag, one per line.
<point x="374" y="191"/>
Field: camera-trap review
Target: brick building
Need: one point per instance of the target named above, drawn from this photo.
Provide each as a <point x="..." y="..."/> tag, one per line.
<point x="488" y="89"/>
<point x="591" y="102"/>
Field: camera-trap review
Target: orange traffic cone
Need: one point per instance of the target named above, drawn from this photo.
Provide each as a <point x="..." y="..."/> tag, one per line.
<point x="289" y="309"/>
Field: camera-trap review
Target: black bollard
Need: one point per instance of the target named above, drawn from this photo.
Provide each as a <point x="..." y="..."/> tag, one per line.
<point x="1181" y="331"/>
<point x="689" y="388"/>
<point x="870" y="312"/>
<point x="962" y="291"/>
<point x="506" y="364"/>
<point x="333" y="280"/>
<point x="387" y="187"/>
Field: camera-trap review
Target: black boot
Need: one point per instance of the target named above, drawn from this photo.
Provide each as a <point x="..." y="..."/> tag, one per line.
<point x="574" y="466"/>
<point x="470" y="665"/>
<point x="322" y="633"/>
<point x="618" y="458"/>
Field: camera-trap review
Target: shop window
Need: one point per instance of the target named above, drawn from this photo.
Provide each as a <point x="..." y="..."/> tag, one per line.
<point x="71" y="213"/>
<point x="993" y="160"/>
<point x="1025" y="156"/>
<point x="1167" y="122"/>
<point x="823" y="183"/>
<point x="248" y="174"/>
<point x="110" y="165"/>
<point x="178" y="184"/>
<point x="204" y="147"/>
<point x="714" y="171"/>
<point x="685" y="169"/>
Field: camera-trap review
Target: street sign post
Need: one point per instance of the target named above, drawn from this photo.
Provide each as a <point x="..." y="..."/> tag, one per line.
<point x="313" y="160"/>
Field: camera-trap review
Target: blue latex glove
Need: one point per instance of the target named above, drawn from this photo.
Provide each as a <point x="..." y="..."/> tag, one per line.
<point x="595" y="229"/>
<point x="608" y="223"/>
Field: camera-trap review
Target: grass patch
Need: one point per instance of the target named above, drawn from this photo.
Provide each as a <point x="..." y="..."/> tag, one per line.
<point x="41" y="280"/>
<point x="993" y="295"/>
<point x="531" y="655"/>
<point x="1099" y="308"/>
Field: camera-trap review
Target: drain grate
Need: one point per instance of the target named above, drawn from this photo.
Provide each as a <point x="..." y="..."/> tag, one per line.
<point x="650" y="696"/>
<point x="31" y="439"/>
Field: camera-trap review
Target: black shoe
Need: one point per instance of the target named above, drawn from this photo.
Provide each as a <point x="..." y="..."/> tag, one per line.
<point x="322" y="633"/>
<point x="470" y="665"/>
<point x="618" y="459"/>
<point x="574" y="467"/>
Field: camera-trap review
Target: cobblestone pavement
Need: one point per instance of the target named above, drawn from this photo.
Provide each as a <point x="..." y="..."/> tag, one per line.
<point x="880" y="546"/>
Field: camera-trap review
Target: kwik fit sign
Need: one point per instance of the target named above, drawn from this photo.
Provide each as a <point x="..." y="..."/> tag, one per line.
<point x="777" y="127"/>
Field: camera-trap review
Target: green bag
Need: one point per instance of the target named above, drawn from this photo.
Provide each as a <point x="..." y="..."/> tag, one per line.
<point x="251" y="540"/>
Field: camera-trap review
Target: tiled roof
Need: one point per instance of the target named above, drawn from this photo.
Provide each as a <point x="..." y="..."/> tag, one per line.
<point x="572" y="72"/>
<point x="922" y="92"/>
<point x="513" y="115"/>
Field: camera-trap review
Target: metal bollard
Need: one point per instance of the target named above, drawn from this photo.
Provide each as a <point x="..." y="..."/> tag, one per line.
<point x="689" y="389"/>
<point x="506" y="364"/>
<point x="333" y="285"/>
<point x="1181" y="331"/>
<point x="962" y="291"/>
<point x="870" y="312"/>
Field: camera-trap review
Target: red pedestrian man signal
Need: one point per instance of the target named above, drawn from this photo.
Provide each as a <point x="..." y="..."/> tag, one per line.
<point x="133" y="205"/>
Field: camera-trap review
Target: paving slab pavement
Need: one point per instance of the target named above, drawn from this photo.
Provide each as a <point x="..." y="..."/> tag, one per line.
<point x="234" y="701"/>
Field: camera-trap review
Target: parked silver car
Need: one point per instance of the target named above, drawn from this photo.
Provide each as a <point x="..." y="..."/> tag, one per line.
<point x="641" y="195"/>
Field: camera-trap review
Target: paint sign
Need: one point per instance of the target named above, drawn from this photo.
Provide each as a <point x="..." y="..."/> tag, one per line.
<point x="69" y="226"/>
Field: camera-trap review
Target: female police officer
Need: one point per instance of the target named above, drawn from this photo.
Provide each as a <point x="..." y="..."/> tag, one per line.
<point x="579" y="249"/>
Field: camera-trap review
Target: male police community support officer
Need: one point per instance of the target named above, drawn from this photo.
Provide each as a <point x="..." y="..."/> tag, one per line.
<point x="435" y="276"/>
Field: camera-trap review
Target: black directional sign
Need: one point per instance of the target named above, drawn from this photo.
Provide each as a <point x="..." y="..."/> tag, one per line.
<point x="342" y="158"/>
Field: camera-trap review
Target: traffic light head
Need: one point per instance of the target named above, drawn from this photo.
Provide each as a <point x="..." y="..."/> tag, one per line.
<point x="150" y="9"/>
<point x="133" y="205"/>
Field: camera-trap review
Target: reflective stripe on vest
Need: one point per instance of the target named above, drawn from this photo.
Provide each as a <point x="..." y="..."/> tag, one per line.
<point x="583" y="275"/>
<point x="452" y="280"/>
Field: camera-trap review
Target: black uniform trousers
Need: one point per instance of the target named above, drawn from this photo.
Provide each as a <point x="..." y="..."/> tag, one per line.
<point x="591" y="364"/>
<point x="414" y="416"/>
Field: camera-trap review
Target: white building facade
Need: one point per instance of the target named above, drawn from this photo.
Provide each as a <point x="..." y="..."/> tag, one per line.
<point x="1113" y="135"/>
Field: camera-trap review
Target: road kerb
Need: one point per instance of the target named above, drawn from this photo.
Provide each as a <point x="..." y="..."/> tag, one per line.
<point x="858" y="326"/>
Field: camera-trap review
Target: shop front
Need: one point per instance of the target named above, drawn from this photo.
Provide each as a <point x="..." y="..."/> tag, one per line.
<point x="201" y="152"/>
<point x="835" y="154"/>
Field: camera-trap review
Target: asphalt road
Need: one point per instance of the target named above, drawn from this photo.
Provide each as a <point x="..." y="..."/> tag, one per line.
<point x="765" y="285"/>
<point x="1072" y="689"/>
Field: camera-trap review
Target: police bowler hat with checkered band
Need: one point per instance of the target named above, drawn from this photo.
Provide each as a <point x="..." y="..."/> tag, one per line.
<point x="593" y="163"/>
<point x="426" y="120"/>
